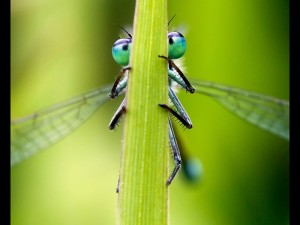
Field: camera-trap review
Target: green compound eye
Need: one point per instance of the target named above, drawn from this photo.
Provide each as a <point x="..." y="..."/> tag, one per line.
<point x="177" y="45"/>
<point x="121" y="51"/>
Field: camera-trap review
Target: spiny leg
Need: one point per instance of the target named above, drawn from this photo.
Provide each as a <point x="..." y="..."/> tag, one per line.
<point x="119" y="85"/>
<point x="118" y="114"/>
<point x="187" y="85"/>
<point x="175" y="151"/>
<point x="174" y="113"/>
<point x="180" y="108"/>
<point x="182" y="116"/>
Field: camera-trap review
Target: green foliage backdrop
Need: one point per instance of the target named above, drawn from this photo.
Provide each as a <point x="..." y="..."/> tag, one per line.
<point x="63" y="48"/>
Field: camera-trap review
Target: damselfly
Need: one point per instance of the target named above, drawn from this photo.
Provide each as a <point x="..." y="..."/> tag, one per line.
<point x="33" y="133"/>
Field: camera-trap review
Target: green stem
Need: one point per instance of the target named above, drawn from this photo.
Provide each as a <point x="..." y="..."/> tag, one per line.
<point x="143" y="195"/>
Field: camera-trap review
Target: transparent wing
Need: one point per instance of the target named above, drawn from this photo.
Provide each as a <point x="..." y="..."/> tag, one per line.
<point x="268" y="113"/>
<point x="39" y="130"/>
<point x="33" y="133"/>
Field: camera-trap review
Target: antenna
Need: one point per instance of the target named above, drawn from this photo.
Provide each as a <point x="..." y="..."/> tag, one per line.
<point x="122" y="28"/>
<point x="171" y="19"/>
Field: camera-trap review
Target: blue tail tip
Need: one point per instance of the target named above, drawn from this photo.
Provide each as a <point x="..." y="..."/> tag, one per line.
<point x="193" y="170"/>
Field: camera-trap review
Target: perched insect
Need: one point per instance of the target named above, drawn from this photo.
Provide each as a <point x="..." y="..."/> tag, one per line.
<point x="31" y="134"/>
<point x="177" y="47"/>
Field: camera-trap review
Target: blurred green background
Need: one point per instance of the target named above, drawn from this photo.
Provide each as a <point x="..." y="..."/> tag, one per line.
<point x="60" y="49"/>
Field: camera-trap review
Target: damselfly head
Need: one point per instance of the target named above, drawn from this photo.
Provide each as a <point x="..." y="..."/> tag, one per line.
<point x="177" y="45"/>
<point x="121" y="51"/>
<point x="121" y="48"/>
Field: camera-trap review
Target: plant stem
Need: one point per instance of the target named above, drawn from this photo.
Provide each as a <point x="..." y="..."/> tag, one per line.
<point x="143" y="194"/>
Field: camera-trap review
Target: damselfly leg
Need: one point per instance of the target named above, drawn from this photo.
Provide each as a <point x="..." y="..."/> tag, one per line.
<point x="177" y="75"/>
<point x="175" y="152"/>
<point x="119" y="84"/>
<point x="117" y="116"/>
